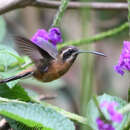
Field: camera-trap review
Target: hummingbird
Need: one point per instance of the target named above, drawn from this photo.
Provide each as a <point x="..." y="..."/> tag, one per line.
<point x="49" y="64"/>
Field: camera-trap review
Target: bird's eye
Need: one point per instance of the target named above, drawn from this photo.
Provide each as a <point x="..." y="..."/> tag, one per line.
<point x="67" y="54"/>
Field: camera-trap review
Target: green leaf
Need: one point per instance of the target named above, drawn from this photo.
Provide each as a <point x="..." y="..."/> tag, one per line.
<point x="10" y="73"/>
<point x="18" y="58"/>
<point x="17" y="92"/>
<point x="2" y="28"/>
<point x="20" y="126"/>
<point x="93" y="113"/>
<point x="5" y="58"/>
<point x="9" y="58"/>
<point x="32" y="93"/>
<point x="127" y="123"/>
<point x="32" y="115"/>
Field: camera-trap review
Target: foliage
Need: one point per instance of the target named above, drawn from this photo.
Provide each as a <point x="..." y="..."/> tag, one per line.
<point x="24" y="111"/>
<point x="35" y="115"/>
<point x="2" y="28"/>
<point x="93" y="109"/>
<point x="29" y="114"/>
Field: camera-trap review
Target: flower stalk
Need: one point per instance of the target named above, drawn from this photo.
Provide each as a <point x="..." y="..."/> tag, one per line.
<point x="129" y="94"/>
<point x="96" y="37"/>
<point x="98" y="107"/>
<point x="129" y="14"/>
<point x="60" y="13"/>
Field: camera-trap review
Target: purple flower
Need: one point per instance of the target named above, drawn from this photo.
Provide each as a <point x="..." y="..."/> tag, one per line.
<point x="103" y="125"/>
<point x="114" y="115"/>
<point x="124" y="60"/>
<point x="40" y="33"/>
<point x="54" y="36"/>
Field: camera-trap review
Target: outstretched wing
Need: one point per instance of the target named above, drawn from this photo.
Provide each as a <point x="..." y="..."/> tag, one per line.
<point x="42" y="50"/>
<point x="48" y="47"/>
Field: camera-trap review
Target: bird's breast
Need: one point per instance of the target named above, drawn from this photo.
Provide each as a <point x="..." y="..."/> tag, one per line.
<point x="54" y="71"/>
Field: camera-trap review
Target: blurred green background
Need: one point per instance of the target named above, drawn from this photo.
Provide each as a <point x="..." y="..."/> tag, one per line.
<point x="89" y="74"/>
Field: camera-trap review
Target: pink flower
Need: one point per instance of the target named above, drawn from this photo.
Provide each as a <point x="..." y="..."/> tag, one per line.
<point x="104" y="126"/>
<point x="114" y="114"/>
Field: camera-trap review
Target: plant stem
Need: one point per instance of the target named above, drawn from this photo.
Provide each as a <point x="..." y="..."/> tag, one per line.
<point x="87" y="68"/>
<point x="126" y="109"/>
<point x="129" y="94"/>
<point x="72" y="116"/>
<point x="129" y="14"/>
<point x="98" y="107"/>
<point x="2" y="68"/>
<point x="97" y="37"/>
<point x="86" y="85"/>
<point x="60" y="13"/>
<point x="69" y="115"/>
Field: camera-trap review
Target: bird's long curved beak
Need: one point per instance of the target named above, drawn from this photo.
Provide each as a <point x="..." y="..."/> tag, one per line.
<point x="92" y="52"/>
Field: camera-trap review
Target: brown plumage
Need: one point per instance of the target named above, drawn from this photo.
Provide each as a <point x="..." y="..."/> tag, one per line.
<point x="56" y="69"/>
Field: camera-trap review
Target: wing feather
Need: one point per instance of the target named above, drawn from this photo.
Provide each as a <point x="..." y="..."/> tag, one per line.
<point x="28" y="48"/>
<point x="45" y="45"/>
<point x="36" y="51"/>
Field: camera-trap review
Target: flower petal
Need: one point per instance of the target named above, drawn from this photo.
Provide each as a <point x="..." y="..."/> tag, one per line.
<point x="40" y="33"/>
<point x="104" y="126"/>
<point x="124" y="60"/>
<point x="114" y="114"/>
<point x="55" y="36"/>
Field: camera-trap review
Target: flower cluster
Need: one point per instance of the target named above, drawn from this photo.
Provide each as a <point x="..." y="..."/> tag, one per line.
<point x="53" y="35"/>
<point x="115" y="116"/>
<point x="103" y="125"/>
<point x="124" y="60"/>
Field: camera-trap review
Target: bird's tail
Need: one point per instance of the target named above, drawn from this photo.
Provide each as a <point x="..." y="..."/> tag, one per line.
<point x="19" y="76"/>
